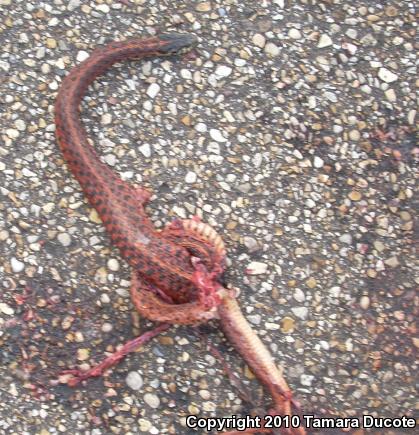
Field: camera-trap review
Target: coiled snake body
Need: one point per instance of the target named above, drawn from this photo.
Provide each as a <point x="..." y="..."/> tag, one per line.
<point x="176" y="270"/>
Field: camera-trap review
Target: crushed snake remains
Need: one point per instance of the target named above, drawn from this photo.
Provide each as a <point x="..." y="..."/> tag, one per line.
<point x="176" y="271"/>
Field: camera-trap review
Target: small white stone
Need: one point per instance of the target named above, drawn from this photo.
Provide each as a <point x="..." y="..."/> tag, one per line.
<point x="324" y="41"/>
<point x="223" y="71"/>
<point x="411" y="116"/>
<point x="271" y="49"/>
<point x="73" y="4"/>
<point x="354" y="135"/>
<point x="201" y="127"/>
<point x="106" y="119"/>
<point x="28" y="173"/>
<point x="113" y="264"/>
<point x="240" y="62"/>
<point x="217" y="135"/>
<point x="152" y="400"/>
<point x="103" y="8"/>
<point x="258" y="40"/>
<point x="346" y="238"/>
<point x="294" y="33"/>
<point x="110" y="159"/>
<point x="351" y="48"/>
<point x="20" y="124"/>
<point x="185" y="74"/>
<point x="334" y="291"/>
<point x="17" y="266"/>
<point x="104" y="298"/>
<point x="310" y="203"/>
<point x="318" y="162"/>
<point x="306" y="380"/>
<point x="153" y="90"/>
<point x="331" y="96"/>
<point x="60" y="63"/>
<point x="5" y="66"/>
<point x="352" y="33"/>
<point x="300" y="312"/>
<point x="64" y="239"/>
<point x="387" y="76"/>
<point x="145" y="150"/>
<point x="190" y="177"/>
<point x="144" y="425"/>
<point x="391" y="95"/>
<point x="82" y="55"/>
<point x="134" y="380"/>
<point x="364" y="302"/>
<point x="280" y="3"/>
<point x="6" y="309"/>
<point x="256" y="268"/>
<point x="299" y="295"/>
<point x="12" y="133"/>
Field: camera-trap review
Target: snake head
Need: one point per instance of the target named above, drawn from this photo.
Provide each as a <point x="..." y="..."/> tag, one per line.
<point x="176" y="43"/>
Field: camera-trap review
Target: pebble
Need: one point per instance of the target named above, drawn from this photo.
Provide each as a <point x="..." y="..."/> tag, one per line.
<point x="223" y="71"/>
<point x="113" y="264"/>
<point x="6" y="309"/>
<point x="392" y="262"/>
<point x="287" y="324"/>
<point x="203" y="7"/>
<point x="300" y="312"/>
<point x="299" y="295"/>
<point x="346" y="238"/>
<point x="145" y="150"/>
<point x="294" y="34"/>
<point x="390" y="95"/>
<point x="153" y="90"/>
<point x="152" y="400"/>
<point x="106" y="119"/>
<point x="318" y="162"/>
<point x="201" y="127"/>
<point x="354" y="195"/>
<point x="324" y="41"/>
<point x="103" y="8"/>
<point x="259" y="40"/>
<point x="82" y="55"/>
<point x="110" y="159"/>
<point x="64" y="239"/>
<point x="387" y="76"/>
<point x="271" y="49"/>
<point x="17" y="266"/>
<point x="306" y="380"/>
<point x="135" y="381"/>
<point x="73" y="4"/>
<point x="256" y="268"/>
<point x="190" y="177"/>
<point x="364" y="302"/>
<point x="354" y="135"/>
<point x="217" y="135"/>
<point x="251" y="243"/>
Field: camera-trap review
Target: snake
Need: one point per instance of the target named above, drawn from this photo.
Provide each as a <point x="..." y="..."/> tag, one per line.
<point x="176" y="271"/>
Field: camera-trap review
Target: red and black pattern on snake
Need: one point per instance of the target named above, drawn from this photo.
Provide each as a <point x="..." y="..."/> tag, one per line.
<point x="161" y="258"/>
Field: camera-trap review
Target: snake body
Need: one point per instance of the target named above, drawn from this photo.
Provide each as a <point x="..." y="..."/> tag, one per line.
<point x="166" y="284"/>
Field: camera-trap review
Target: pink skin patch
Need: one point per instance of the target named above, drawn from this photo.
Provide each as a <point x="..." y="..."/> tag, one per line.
<point x="205" y="282"/>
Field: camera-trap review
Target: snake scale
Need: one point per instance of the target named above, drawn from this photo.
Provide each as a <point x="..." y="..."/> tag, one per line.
<point x="176" y="271"/>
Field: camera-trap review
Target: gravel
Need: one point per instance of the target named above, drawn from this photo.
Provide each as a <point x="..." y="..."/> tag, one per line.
<point x="291" y="130"/>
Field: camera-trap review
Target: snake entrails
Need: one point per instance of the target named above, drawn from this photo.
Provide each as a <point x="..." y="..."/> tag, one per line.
<point x="176" y="270"/>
